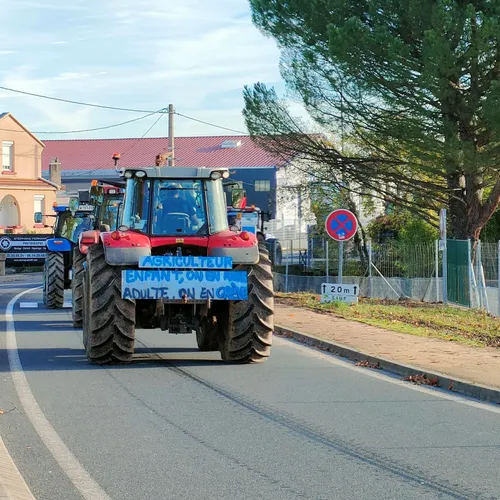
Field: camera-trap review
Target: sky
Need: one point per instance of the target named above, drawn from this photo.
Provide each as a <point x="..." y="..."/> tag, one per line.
<point x="194" y="54"/>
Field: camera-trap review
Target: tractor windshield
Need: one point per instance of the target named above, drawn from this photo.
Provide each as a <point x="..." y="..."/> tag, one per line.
<point x="176" y="207"/>
<point x="70" y="227"/>
<point x="108" y="211"/>
<point x="179" y="208"/>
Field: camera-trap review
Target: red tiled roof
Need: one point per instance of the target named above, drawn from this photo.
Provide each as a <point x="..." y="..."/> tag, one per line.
<point x="95" y="154"/>
<point x="13" y="182"/>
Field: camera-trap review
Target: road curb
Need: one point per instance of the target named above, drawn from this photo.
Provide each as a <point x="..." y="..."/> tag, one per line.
<point x="446" y="382"/>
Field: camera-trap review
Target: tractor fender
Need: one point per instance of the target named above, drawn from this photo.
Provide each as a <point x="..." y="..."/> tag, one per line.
<point x="241" y="246"/>
<point x="86" y="239"/>
<point x="125" y="248"/>
<point x="59" y="245"/>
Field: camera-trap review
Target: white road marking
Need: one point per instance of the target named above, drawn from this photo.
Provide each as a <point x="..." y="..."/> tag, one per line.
<point x="12" y="484"/>
<point x="330" y="358"/>
<point x="28" y="305"/>
<point x="81" y="479"/>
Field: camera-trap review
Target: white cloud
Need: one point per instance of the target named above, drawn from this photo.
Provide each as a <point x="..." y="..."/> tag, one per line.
<point x="197" y="55"/>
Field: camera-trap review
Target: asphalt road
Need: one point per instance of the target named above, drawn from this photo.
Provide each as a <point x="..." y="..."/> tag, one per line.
<point x="179" y="424"/>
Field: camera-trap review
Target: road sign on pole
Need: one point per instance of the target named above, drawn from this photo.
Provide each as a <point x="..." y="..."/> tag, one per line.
<point x="341" y="225"/>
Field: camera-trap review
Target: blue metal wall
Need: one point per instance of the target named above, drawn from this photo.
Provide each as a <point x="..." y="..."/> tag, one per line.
<point x="265" y="200"/>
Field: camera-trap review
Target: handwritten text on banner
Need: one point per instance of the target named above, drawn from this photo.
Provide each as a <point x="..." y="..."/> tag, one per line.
<point x="185" y="262"/>
<point x="175" y="284"/>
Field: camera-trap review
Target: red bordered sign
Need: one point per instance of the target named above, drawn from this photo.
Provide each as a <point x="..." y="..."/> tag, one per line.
<point x="341" y="225"/>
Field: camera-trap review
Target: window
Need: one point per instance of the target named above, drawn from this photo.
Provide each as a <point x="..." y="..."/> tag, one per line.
<point x="38" y="206"/>
<point x="217" y="210"/>
<point x="136" y="205"/>
<point x="262" y="185"/>
<point x="178" y="208"/>
<point x="7" y="147"/>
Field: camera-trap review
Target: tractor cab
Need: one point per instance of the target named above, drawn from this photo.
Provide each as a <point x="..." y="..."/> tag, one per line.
<point x="180" y="202"/>
<point x="107" y="198"/>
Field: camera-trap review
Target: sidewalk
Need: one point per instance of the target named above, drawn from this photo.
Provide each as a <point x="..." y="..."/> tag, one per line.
<point x="474" y="364"/>
<point x="26" y="277"/>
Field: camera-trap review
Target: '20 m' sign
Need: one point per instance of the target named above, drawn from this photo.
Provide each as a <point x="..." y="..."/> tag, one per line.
<point x="330" y="289"/>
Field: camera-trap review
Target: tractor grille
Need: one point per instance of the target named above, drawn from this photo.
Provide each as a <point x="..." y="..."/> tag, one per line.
<point x="185" y="249"/>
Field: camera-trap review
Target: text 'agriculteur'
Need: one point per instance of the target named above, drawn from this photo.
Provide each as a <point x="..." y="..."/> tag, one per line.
<point x="185" y="262"/>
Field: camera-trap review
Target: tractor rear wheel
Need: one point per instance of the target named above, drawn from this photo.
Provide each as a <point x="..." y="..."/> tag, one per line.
<point x="109" y="320"/>
<point x="54" y="280"/>
<point x="249" y="324"/>
<point x="77" y="287"/>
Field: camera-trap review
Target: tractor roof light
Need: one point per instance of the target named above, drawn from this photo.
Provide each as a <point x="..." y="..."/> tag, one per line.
<point x="140" y="173"/>
<point x="215" y="175"/>
<point x="128" y="174"/>
<point x="225" y="174"/>
<point x="93" y="183"/>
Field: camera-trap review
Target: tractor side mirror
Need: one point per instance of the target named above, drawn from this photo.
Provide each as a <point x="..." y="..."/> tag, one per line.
<point x="38" y="218"/>
<point x="238" y="198"/>
<point x="74" y="203"/>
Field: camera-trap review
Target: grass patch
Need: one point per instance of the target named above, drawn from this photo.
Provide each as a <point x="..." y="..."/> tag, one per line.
<point x="468" y="326"/>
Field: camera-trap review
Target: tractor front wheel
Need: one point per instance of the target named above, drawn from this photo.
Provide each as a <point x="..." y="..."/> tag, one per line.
<point x="109" y="321"/>
<point x="77" y="287"/>
<point x="54" y="280"/>
<point x="249" y="324"/>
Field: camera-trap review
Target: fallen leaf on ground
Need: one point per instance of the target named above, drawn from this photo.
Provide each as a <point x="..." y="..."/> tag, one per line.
<point x="367" y="364"/>
<point x="422" y="380"/>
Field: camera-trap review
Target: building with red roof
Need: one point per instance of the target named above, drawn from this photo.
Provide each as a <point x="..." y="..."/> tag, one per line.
<point x="86" y="159"/>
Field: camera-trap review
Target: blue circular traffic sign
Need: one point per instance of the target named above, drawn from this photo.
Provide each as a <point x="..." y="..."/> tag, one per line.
<point x="341" y="225"/>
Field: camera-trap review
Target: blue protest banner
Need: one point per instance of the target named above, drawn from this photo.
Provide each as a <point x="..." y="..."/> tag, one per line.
<point x="192" y="284"/>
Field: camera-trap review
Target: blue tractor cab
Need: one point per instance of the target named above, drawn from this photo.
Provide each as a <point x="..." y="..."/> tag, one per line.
<point x="250" y="219"/>
<point x="70" y="221"/>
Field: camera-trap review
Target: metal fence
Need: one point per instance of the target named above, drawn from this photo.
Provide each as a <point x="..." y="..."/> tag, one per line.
<point x="394" y="271"/>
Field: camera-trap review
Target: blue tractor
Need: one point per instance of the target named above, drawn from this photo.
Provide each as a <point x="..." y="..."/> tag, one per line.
<point x="70" y="221"/>
<point x="250" y="219"/>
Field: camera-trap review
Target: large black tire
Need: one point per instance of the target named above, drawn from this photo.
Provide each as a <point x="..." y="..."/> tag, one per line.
<point x="109" y="319"/>
<point x="85" y="308"/>
<point x="54" y="280"/>
<point x="249" y="324"/>
<point x="275" y="251"/>
<point x="77" y="287"/>
<point x="44" y="289"/>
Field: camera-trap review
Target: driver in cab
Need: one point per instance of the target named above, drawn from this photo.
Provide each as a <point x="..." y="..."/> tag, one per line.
<point x="173" y="202"/>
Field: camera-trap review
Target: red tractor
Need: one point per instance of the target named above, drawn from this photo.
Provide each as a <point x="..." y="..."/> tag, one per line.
<point x="106" y="198"/>
<point x="174" y="264"/>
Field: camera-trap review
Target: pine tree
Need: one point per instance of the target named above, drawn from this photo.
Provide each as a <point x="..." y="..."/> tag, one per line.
<point x="415" y="82"/>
